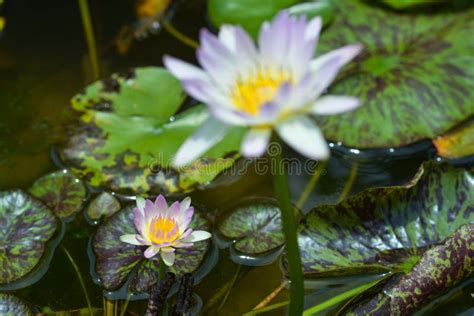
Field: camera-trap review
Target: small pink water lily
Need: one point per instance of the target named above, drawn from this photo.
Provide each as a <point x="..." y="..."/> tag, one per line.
<point x="163" y="228"/>
<point x="273" y="87"/>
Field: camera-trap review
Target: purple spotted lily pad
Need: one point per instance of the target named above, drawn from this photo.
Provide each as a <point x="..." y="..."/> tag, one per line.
<point x="105" y="204"/>
<point x="441" y="268"/>
<point x="410" y="63"/>
<point x="117" y="262"/>
<point x="397" y="230"/>
<point x="389" y="228"/>
<point x="253" y="227"/>
<point x="137" y="159"/>
<point x="61" y="191"/>
<point x="11" y="305"/>
<point x="26" y="227"/>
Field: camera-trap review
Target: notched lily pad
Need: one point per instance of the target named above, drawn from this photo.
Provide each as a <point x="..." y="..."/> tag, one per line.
<point x="61" y="192"/>
<point x="410" y="63"/>
<point x="389" y="228"/>
<point x="104" y="204"/>
<point x="254" y="227"/>
<point x="136" y="159"/>
<point x="457" y="143"/>
<point x="117" y="261"/>
<point x="11" y="305"/>
<point x="441" y="268"/>
<point x="26" y="226"/>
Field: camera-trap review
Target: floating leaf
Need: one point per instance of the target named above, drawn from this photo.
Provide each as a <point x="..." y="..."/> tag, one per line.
<point x="410" y="63"/>
<point x="249" y="14"/>
<point x="116" y="259"/>
<point x="105" y="204"/>
<point x="136" y="159"/>
<point x="11" y="305"/>
<point x="323" y="8"/>
<point x="458" y="143"/>
<point x="389" y="228"/>
<point x="254" y="228"/>
<point x="27" y="225"/>
<point x="404" y="4"/>
<point x="61" y="191"/>
<point x="441" y="268"/>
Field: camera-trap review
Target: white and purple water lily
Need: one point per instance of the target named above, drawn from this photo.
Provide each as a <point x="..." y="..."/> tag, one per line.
<point x="274" y="87"/>
<point x="163" y="228"/>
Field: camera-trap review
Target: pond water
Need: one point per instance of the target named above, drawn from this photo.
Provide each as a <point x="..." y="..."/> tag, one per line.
<point x="44" y="62"/>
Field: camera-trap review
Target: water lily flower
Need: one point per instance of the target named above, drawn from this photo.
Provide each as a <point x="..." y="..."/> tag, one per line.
<point x="273" y="87"/>
<point x="163" y="228"/>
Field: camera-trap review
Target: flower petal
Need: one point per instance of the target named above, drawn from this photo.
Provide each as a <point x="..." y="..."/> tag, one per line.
<point x="131" y="239"/>
<point x="326" y="66"/>
<point x="185" y="219"/>
<point x="168" y="257"/>
<point x="334" y="104"/>
<point x="204" y="138"/>
<point x="196" y="235"/>
<point x="140" y="204"/>
<point x="150" y="211"/>
<point x="240" y="43"/>
<point x="160" y="204"/>
<point x="255" y="142"/>
<point x="304" y="136"/>
<point x="139" y="220"/>
<point x="151" y="252"/>
<point x="184" y="205"/>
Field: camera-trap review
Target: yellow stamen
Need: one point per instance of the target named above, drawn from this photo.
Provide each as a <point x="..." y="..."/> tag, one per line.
<point x="250" y="94"/>
<point x="162" y="230"/>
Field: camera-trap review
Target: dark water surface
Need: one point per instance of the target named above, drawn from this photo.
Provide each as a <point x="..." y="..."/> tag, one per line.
<point x="43" y="63"/>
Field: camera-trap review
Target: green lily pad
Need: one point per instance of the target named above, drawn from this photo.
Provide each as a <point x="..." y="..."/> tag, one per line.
<point x="61" y="192"/>
<point x="410" y="63"/>
<point x="254" y="227"/>
<point x="27" y="225"/>
<point x="127" y="136"/>
<point x="405" y="4"/>
<point x="105" y="204"/>
<point x="247" y="13"/>
<point x="11" y="305"/>
<point x="116" y="260"/>
<point x="441" y="268"/>
<point x="388" y="228"/>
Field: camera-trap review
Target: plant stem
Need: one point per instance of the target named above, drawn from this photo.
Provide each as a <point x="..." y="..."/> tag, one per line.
<point x="89" y="32"/>
<point x="79" y="276"/>
<point x="350" y="182"/>
<point x="271" y="296"/>
<point x="339" y="298"/>
<point x="268" y="308"/>
<point x="180" y="36"/>
<point x="236" y="274"/>
<point x="280" y="185"/>
<point x="162" y="269"/>
<point x="123" y="308"/>
<point x="311" y="184"/>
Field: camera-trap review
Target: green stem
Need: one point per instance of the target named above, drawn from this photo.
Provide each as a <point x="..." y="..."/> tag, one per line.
<point x="339" y="298"/>
<point x="268" y="308"/>
<point x="280" y="184"/>
<point x="180" y="36"/>
<point x="311" y="184"/>
<point x="236" y="274"/>
<point x="89" y="32"/>
<point x="79" y="276"/>
<point x="350" y="182"/>
<point x="123" y="310"/>
<point x="162" y="269"/>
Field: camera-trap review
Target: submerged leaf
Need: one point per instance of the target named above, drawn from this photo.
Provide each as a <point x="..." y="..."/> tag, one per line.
<point x="441" y="268"/>
<point x="115" y="259"/>
<point x="105" y="204"/>
<point x="61" y="191"/>
<point x="26" y="226"/>
<point x="389" y="228"/>
<point x="11" y="305"/>
<point x="254" y="228"/>
<point x="136" y="159"/>
<point x="410" y="63"/>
